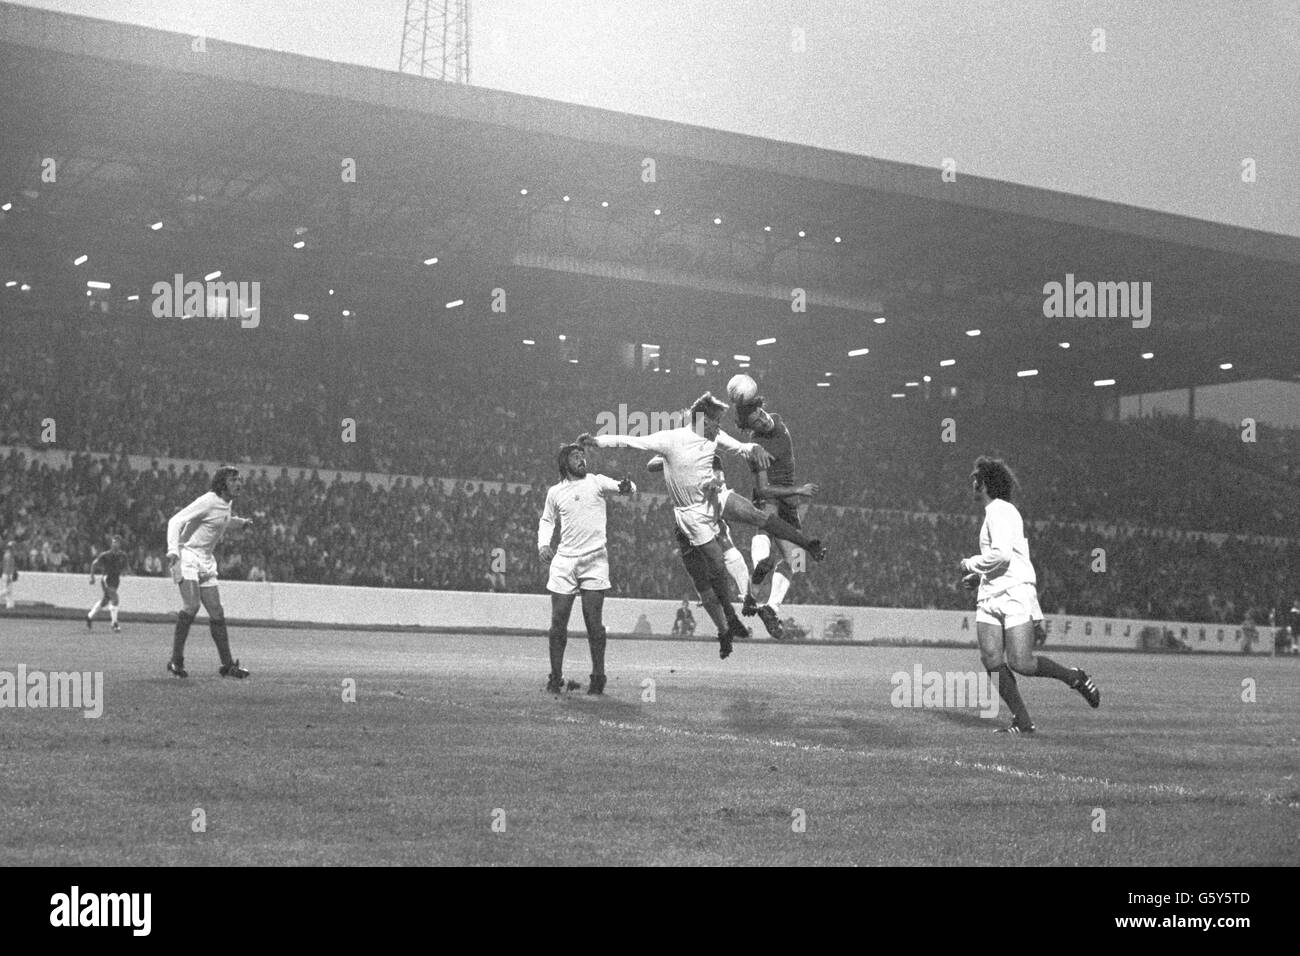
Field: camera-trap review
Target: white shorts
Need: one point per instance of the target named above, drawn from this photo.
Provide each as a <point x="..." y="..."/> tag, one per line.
<point x="198" y="567"/>
<point x="586" y="572"/>
<point x="1011" y="608"/>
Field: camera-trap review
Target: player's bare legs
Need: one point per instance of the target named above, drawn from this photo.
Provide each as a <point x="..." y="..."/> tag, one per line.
<point x="1021" y="657"/>
<point x="592" y="604"/>
<point x="741" y="509"/>
<point x="991" y="641"/>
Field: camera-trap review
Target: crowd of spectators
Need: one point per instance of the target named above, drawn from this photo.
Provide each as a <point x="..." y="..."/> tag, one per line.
<point x="178" y="393"/>
<point x="894" y="499"/>
<point x="469" y="536"/>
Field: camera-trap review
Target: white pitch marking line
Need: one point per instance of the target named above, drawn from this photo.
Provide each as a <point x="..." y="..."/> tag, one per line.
<point x="1268" y="799"/>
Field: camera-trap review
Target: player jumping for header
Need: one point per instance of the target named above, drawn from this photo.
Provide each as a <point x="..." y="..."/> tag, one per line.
<point x="1007" y="596"/>
<point x="192" y="535"/>
<point x="776" y="494"/>
<point x="581" y="563"/>
<point x="113" y="561"/>
<point x="688" y="471"/>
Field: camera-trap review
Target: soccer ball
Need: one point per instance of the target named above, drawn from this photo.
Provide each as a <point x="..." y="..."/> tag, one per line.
<point x="742" y="389"/>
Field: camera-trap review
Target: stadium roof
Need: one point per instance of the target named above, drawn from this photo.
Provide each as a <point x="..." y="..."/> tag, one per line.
<point x="240" y="153"/>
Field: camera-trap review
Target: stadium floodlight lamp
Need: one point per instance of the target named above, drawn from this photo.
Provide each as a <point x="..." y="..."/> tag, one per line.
<point x="829" y="374"/>
<point x="767" y="228"/>
<point x="1148" y="355"/>
<point x="529" y="342"/>
<point x="133" y="298"/>
<point x="658" y="212"/>
<point x="854" y="353"/>
<point x="972" y="332"/>
<point x="740" y="358"/>
<point x="898" y="395"/>
<point x="80" y="259"/>
<point x="212" y="275"/>
<point x="11" y="283"/>
<point x="432" y="261"/>
<point x="573" y="361"/>
<point x="911" y="384"/>
<point x="6" y="207"/>
<point x="946" y="362"/>
<point x="838" y="239"/>
<point x="156" y="226"/>
<point x="771" y="341"/>
<point x="523" y="192"/>
<point x="802" y="234"/>
<point x="566" y="198"/>
<point x="299" y="244"/>
<point x="455" y="303"/>
<point x="94" y="284"/>
<point x="700" y="361"/>
<point x="1103" y="382"/>
<point x="1026" y="372"/>
<point x="823" y="384"/>
<point x="604" y="204"/>
<point x="879" y="320"/>
<point x="925" y="378"/>
<point x="24" y="288"/>
<point x="347" y="313"/>
<point x="743" y="365"/>
<point x="1065" y="345"/>
<point x="1225" y="366"/>
<point x="301" y="316"/>
<point x="562" y="337"/>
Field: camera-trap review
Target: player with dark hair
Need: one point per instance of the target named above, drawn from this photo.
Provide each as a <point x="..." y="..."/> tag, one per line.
<point x="1007" y="595"/>
<point x="192" y="535"/>
<point x="777" y="494"/>
<point x="688" y="471"/>
<point x="114" y="562"/>
<point x="581" y="563"/>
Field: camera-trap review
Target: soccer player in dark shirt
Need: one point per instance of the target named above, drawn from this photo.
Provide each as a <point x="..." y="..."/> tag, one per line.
<point x="776" y="493"/>
<point x="113" y="562"/>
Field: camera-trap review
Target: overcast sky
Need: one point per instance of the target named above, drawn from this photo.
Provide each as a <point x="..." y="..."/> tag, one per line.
<point x="1012" y="89"/>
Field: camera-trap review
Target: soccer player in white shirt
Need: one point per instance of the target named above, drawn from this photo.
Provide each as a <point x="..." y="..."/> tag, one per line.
<point x="581" y="563"/>
<point x="688" y="471"/>
<point x="1008" y="596"/>
<point x="192" y="534"/>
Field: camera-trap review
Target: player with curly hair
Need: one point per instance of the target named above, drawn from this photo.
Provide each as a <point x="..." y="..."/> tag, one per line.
<point x="192" y="535"/>
<point x="1008" y="596"/>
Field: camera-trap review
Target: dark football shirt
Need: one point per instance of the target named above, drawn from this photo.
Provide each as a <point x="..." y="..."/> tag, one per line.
<point x="112" y="564"/>
<point x="777" y="444"/>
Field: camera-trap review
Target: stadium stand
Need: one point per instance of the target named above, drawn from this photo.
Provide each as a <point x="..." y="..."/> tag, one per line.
<point x="892" y="493"/>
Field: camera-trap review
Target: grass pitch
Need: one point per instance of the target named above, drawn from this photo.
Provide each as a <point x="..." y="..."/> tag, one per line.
<point x="451" y="734"/>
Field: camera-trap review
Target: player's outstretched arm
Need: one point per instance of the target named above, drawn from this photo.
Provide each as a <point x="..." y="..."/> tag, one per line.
<point x="615" y="486"/>
<point x="656" y="441"/>
<point x="753" y="452"/>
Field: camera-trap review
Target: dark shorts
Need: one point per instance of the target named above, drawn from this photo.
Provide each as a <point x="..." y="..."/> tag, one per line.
<point x="110" y="592"/>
